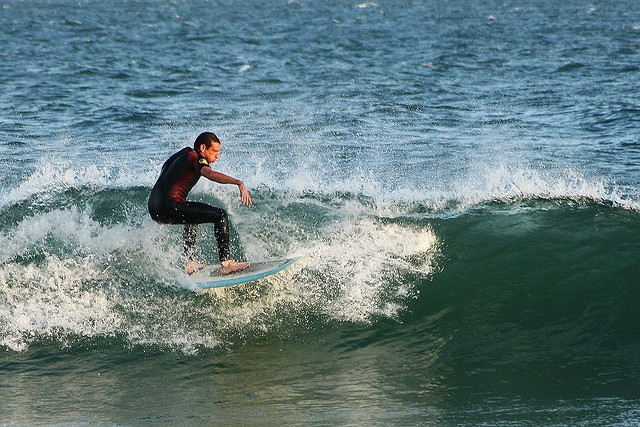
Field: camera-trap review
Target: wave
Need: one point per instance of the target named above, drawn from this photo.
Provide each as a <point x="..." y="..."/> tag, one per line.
<point x="535" y="270"/>
<point x="85" y="263"/>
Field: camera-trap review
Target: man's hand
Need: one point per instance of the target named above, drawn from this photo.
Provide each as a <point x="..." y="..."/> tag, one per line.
<point x="244" y="194"/>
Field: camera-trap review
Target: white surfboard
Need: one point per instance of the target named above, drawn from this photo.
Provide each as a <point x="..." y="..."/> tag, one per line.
<point x="210" y="276"/>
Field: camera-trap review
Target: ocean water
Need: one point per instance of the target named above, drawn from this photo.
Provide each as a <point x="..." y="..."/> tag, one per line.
<point x="463" y="177"/>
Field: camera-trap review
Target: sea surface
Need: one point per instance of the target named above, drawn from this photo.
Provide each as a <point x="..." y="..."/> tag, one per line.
<point x="463" y="177"/>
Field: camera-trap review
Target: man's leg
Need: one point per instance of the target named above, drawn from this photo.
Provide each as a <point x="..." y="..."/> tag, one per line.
<point x="192" y="213"/>
<point x="190" y="231"/>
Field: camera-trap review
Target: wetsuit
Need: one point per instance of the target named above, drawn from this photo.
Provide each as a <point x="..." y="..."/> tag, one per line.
<point x="168" y="201"/>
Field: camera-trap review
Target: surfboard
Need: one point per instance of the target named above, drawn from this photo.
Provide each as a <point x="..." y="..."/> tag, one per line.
<point x="210" y="277"/>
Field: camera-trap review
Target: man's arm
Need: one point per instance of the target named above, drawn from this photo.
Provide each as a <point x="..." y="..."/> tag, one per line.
<point x="221" y="178"/>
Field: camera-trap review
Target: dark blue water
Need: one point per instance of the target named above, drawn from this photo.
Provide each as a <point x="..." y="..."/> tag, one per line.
<point x="462" y="177"/>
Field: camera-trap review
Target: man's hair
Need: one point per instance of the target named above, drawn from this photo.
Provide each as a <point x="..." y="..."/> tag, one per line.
<point x="206" y="138"/>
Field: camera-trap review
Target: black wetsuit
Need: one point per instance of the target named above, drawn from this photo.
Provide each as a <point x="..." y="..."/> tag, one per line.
<point x="168" y="204"/>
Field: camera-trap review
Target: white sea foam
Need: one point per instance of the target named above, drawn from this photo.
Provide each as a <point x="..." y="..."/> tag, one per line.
<point x="354" y="271"/>
<point x="50" y="298"/>
<point x="62" y="273"/>
<point x="362" y="264"/>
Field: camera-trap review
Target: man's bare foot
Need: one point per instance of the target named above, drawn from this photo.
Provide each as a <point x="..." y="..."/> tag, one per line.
<point x="230" y="266"/>
<point x="193" y="266"/>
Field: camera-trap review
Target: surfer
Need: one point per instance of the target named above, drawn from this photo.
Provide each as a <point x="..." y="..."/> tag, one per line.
<point x="168" y="200"/>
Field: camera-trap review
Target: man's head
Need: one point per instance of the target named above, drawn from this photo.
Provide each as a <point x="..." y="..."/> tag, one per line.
<point x="208" y="146"/>
<point x="206" y="138"/>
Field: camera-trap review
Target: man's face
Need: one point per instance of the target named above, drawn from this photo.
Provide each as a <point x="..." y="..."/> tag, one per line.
<point x="212" y="153"/>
